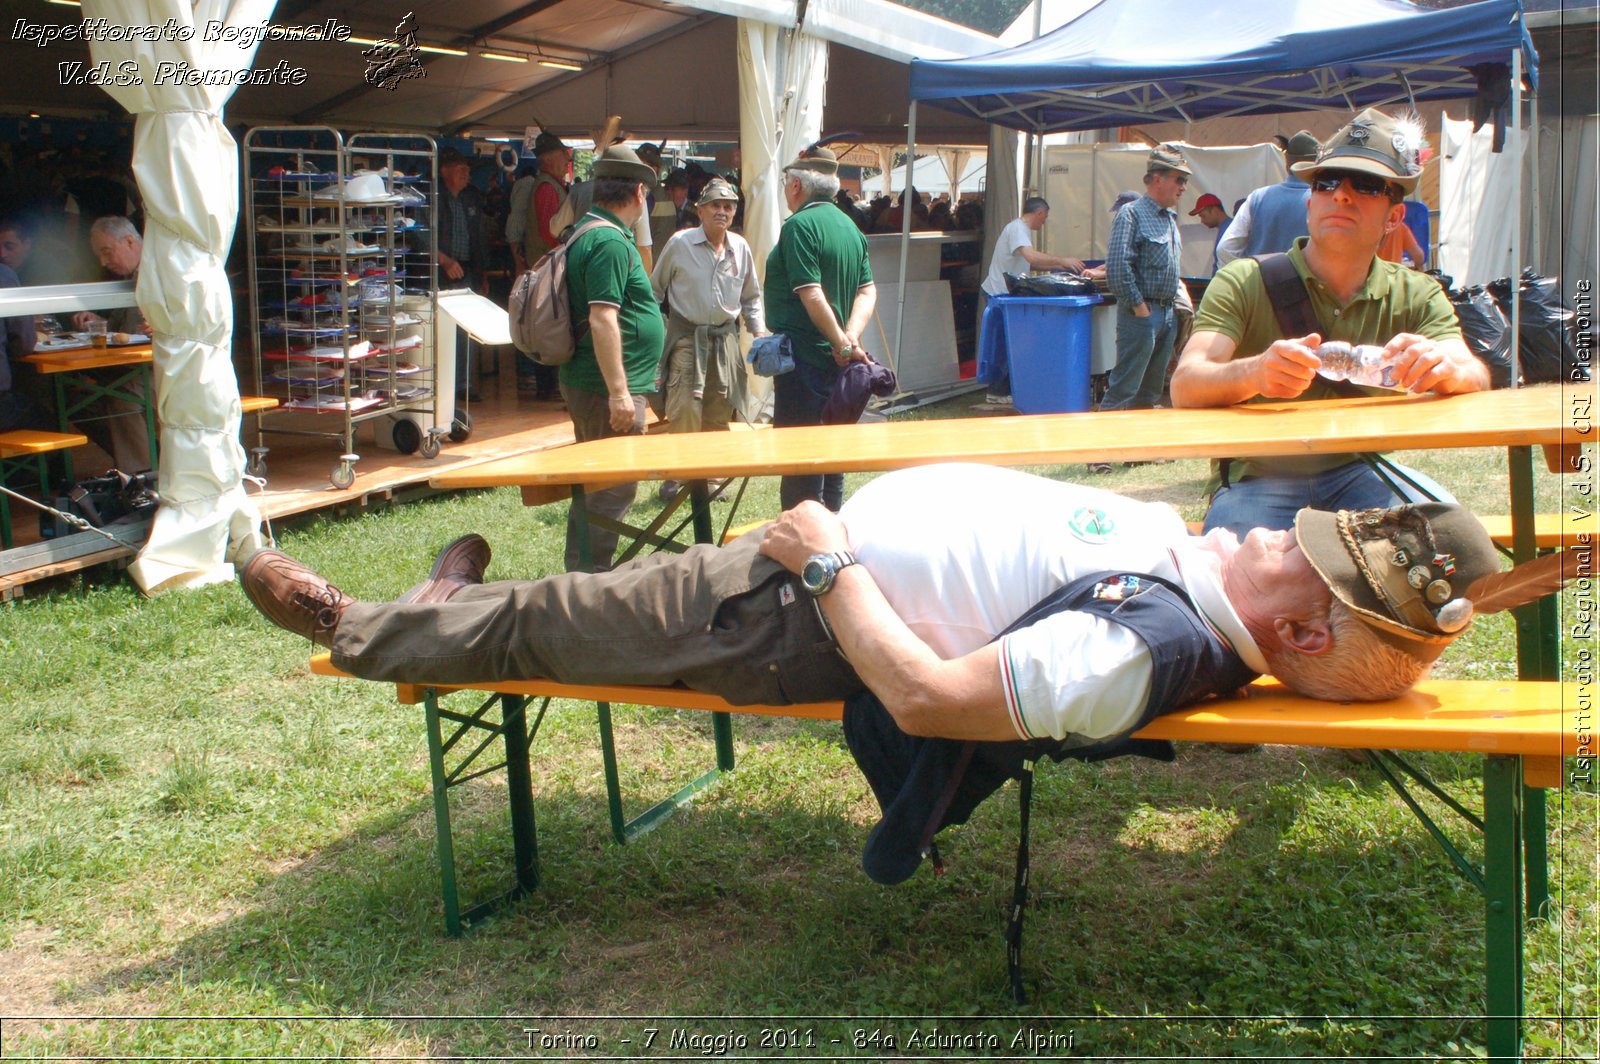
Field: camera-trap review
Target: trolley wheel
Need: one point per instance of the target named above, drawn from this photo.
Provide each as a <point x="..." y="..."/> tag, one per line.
<point x="344" y="474"/>
<point x="461" y="427"/>
<point x="407" y="436"/>
<point x="257" y="466"/>
<point x="430" y="446"/>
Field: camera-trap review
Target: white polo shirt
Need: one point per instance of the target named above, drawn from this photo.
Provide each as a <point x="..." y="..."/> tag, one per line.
<point x="994" y="543"/>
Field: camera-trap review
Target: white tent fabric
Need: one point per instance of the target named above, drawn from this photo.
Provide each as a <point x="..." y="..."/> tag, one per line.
<point x="187" y="168"/>
<point x="781" y="77"/>
<point x="933" y="174"/>
<point x="1082" y="181"/>
<point x="782" y="74"/>
<point x="1475" y="243"/>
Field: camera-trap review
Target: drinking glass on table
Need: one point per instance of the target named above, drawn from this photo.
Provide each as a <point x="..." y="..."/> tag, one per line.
<point x="97" y="334"/>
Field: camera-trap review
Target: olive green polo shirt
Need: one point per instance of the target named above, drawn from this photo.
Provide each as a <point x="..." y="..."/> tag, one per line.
<point x="819" y="245"/>
<point x="604" y="267"/>
<point x="1394" y="300"/>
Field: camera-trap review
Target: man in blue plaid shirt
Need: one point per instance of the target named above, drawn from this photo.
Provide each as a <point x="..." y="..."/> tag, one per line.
<point x="1142" y="272"/>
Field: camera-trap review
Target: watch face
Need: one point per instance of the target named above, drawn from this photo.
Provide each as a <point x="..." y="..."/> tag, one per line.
<point x="816" y="575"/>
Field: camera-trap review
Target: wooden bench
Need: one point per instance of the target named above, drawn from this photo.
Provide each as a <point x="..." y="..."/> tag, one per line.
<point x="255" y="404"/>
<point x="1519" y="726"/>
<point x="22" y="445"/>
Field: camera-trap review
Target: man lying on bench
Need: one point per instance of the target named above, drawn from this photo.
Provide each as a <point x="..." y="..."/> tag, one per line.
<point x="976" y="603"/>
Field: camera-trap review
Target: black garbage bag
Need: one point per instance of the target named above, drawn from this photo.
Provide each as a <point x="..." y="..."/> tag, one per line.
<point x="1048" y="284"/>
<point x="1486" y="331"/>
<point x="1545" y="332"/>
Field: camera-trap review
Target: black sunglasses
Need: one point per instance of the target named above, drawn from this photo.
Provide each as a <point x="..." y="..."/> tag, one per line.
<point x="1360" y="184"/>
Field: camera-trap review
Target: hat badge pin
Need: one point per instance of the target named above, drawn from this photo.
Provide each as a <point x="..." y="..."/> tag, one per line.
<point x="1359" y="133"/>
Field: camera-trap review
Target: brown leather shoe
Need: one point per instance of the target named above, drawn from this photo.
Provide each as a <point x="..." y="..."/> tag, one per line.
<point x="461" y="563"/>
<point x="293" y="597"/>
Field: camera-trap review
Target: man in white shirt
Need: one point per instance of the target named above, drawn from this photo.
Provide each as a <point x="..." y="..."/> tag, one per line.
<point x="1014" y="253"/>
<point x="949" y="556"/>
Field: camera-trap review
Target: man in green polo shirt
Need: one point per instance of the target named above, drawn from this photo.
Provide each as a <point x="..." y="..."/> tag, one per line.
<point x="615" y="361"/>
<point x="1239" y="352"/>
<point x="819" y="293"/>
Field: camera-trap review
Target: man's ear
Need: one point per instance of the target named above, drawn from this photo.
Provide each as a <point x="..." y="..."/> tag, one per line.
<point x="1312" y="637"/>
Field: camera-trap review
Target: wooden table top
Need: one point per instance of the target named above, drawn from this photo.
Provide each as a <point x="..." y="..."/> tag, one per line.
<point x="74" y="359"/>
<point x="1402" y="422"/>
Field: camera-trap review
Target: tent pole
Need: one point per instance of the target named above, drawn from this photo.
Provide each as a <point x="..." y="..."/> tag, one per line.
<point x="1516" y="227"/>
<point x="1536" y="253"/>
<point x="905" y="240"/>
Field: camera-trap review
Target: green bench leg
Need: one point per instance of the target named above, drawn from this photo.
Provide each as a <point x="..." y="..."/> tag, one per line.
<point x="443" y="842"/>
<point x="624" y="830"/>
<point x="1503" y="898"/>
<point x="515" y="736"/>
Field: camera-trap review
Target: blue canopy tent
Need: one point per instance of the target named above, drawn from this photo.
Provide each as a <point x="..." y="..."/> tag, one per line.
<point x="1125" y="62"/>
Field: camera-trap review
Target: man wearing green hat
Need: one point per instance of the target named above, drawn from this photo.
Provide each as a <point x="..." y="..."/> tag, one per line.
<point x="819" y="293"/>
<point x="614" y="365"/>
<point x="1142" y="259"/>
<point x="1248" y="345"/>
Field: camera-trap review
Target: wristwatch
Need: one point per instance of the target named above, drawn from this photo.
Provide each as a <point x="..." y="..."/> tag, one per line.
<point x="820" y="570"/>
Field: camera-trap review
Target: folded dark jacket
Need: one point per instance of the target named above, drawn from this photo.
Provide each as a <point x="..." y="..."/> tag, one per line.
<point x="856" y="383"/>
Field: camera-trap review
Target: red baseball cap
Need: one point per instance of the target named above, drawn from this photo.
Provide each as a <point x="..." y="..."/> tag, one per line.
<point x="1208" y="200"/>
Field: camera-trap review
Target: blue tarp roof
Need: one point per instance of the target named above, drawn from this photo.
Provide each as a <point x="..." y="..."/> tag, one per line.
<point x="1124" y="62"/>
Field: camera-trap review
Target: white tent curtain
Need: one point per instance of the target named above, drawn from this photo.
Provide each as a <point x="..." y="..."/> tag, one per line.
<point x="1474" y="241"/>
<point x="186" y="164"/>
<point x="781" y="77"/>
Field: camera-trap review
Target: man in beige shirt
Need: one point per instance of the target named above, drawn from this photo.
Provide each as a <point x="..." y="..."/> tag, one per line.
<point x="707" y="277"/>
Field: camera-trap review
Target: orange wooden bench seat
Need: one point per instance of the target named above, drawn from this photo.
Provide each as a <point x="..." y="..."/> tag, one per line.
<point x="19" y="446"/>
<point x="19" y="443"/>
<point x="255" y="404"/>
<point x="1550" y="531"/>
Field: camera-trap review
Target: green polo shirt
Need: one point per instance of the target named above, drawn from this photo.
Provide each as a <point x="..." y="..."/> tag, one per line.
<point x="603" y="267"/>
<point x="819" y="244"/>
<point x="1395" y="299"/>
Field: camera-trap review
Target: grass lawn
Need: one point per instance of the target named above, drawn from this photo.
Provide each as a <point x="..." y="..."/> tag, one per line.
<point x="206" y="853"/>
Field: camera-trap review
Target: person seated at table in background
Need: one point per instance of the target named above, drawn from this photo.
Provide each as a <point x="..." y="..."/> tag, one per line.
<point x="118" y="246"/>
<point x="1240" y="352"/>
<point x="1015" y="254"/>
<point x="914" y="592"/>
<point x="706" y="276"/>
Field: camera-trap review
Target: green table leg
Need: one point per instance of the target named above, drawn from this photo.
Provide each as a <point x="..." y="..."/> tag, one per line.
<point x="1502" y="856"/>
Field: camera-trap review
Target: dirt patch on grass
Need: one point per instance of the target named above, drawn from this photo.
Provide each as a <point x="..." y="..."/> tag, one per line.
<point x="36" y="969"/>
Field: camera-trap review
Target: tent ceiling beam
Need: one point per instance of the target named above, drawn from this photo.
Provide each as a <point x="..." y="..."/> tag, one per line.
<point x="517" y="97"/>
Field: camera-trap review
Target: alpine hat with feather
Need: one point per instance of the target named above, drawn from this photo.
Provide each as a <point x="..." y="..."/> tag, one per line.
<point x="1418" y="574"/>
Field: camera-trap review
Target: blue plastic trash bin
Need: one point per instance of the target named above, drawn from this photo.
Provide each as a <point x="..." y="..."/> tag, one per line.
<point x="1046" y="340"/>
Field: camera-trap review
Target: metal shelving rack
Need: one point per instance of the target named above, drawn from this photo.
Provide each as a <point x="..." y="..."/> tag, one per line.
<point x="342" y="281"/>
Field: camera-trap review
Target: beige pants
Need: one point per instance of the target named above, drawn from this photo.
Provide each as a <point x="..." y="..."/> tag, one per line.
<point x="711" y="411"/>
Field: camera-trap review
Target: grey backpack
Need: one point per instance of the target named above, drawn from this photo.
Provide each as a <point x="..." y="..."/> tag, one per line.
<point x="542" y="325"/>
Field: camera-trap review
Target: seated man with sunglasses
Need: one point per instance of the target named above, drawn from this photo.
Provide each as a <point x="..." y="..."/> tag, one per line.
<point x="1239" y="350"/>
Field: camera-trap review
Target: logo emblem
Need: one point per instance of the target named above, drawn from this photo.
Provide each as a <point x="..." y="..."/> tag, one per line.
<point x="1359" y="133"/>
<point x="394" y="59"/>
<point x="1092" y="525"/>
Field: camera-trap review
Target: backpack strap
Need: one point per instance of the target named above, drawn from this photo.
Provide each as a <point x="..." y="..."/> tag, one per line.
<point x="1291" y="304"/>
